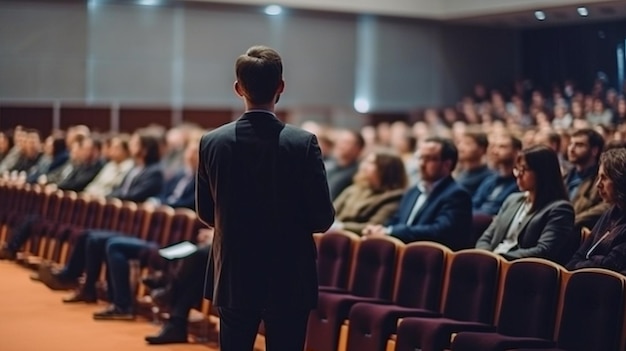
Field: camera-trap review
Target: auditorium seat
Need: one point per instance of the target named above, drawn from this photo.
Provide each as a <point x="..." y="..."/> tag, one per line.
<point x="593" y="312"/>
<point x="527" y="312"/>
<point x="469" y="304"/>
<point x="335" y="254"/>
<point x="375" y="265"/>
<point x="418" y="291"/>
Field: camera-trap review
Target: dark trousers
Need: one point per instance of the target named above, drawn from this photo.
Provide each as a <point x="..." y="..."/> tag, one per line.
<point x="119" y="251"/>
<point x="88" y="255"/>
<point x="22" y="232"/>
<point x="284" y="330"/>
<point x="188" y="283"/>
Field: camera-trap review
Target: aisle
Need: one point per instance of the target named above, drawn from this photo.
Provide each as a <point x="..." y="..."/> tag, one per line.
<point x="32" y="318"/>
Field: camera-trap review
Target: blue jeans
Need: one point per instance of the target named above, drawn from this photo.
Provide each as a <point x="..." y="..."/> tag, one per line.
<point x="119" y="251"/>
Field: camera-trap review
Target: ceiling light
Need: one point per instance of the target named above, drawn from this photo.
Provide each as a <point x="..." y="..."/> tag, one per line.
<point x="583" y="12"/>
<point x="540" y="15"/>
<point x="148" y="2"/>
<point x="362" y="105"/>
<point x="273" y="10"/>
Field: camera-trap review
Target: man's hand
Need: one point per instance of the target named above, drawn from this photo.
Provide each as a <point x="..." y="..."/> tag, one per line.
<point x="374" y="230"/>
<point x="205" y="235"/>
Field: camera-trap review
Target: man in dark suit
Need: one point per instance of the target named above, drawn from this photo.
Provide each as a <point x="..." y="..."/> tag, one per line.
<point x="262" y="186"/>
<point x="437" y="209"/>
<point x="87" y="167"/>
<point x="145" y="179"/>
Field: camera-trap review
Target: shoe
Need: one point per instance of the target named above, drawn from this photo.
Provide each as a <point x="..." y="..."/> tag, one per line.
<point x="55" y="280"/>
<point x="35" y="277"/>
<point x="81" y="296"/>
<point x="170" y="334"/>
<point x="114" y="313"/>
<point x="6" y="254"/>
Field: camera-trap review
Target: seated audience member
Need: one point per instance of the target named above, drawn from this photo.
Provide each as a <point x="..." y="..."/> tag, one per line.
<point x="183" y="292"/>
<point x="113" y="171"/>
<point x="60" y="173"/>
<point x="30" y="153"/>
<point x="11" y="158"/>
<point x="492" y="192"/>
<point x="145" y="179"/>
<point x="53" y="151"/>
<point x="584" y="152"/>
<point x="86" y="166"/>
<point x="180" y="190"/>
<point x="606" y="247"/>
<point x="437" y="209"/>
<point x="345" y="162"/>
<point x="472" y="149"/>
<point x="538" y="222"/>
<point x="172" y="150"/>
<point x="6" y="143"/>
<point x="375" y="195"/>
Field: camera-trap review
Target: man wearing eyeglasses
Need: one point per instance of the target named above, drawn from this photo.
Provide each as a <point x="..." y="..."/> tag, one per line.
<point x="437" y="209"/>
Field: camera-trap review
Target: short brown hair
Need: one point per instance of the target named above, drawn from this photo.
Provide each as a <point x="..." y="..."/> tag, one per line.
<point x="259" y="73"/>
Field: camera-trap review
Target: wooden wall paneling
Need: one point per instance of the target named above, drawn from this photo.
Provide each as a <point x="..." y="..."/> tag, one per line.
<point x="36" y="117"/>
<point x="133" y="118"/>
<point x="208" y="119"/>
<point x="96" y="118"/>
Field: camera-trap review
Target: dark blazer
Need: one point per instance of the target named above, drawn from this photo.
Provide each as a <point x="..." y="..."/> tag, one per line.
<point x="187" y="198"/>
<point x="148" y="183"/>
<point x="588" y="205"/>
<point x="262" y="186"/>
<point x="610" y="253"/>
<point x="445" y="217"/>
<point x="82" y="175"/>
<point x="545" y="233"/>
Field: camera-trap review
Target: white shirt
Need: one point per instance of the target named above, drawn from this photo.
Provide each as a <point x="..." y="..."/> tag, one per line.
<point x="510" y="240"/>
<point x="111" y="175"/>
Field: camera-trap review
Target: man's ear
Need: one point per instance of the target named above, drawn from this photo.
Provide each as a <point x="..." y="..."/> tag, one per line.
<point x="281" y="87"/>
<point x="238" y="89"/>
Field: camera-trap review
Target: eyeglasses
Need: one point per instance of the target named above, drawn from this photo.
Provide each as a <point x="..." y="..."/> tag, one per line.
<point x="519" y="171"/>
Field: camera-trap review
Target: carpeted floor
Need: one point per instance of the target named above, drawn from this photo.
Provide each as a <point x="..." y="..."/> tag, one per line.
<point x="32" y="318"/>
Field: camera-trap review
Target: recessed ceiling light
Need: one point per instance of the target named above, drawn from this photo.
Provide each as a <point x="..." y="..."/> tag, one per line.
<point x="148" y="2"/>
<point x="540" y="15"/>
<point x="273" y="10"/>
<point x="582" y="11"/>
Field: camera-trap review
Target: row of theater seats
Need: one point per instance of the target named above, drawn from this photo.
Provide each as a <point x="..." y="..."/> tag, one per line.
<point x="379" y="294"/>
<point x="63" y="216"/>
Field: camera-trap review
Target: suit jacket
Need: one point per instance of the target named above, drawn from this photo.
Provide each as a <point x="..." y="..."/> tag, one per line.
<point x="545" y="233"/>
<point x="262" y="186"/>
<point x="445" y="217"/>
<point x="186" y="199"/>
<point x="148" y="183"/>
<point x="610" y="253"/>
<point x="82" y="175"/>
<point x="358" y="206"/>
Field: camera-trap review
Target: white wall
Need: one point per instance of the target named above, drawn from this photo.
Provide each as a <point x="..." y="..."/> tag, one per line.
<point x="185" y="55"/>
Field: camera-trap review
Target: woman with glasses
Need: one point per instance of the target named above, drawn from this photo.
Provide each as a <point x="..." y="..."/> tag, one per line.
<point x="606" y="247"/>
<point x="538" y="221"/>
<point x="375" y="195"/>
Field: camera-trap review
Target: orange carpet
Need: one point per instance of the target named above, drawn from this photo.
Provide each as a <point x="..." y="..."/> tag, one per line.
<point x="33" y="318"/>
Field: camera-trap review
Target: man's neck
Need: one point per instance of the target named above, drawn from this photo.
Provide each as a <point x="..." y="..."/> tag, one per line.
<point x="139" y="162"/>
<point x="471" y="165"/>
<point x="580" y="168"/>
<point x="263" y="107"/>
<point x="504" y="170"/>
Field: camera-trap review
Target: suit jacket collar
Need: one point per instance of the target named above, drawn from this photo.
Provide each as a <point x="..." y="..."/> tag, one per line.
<point x="439" y="187"/>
